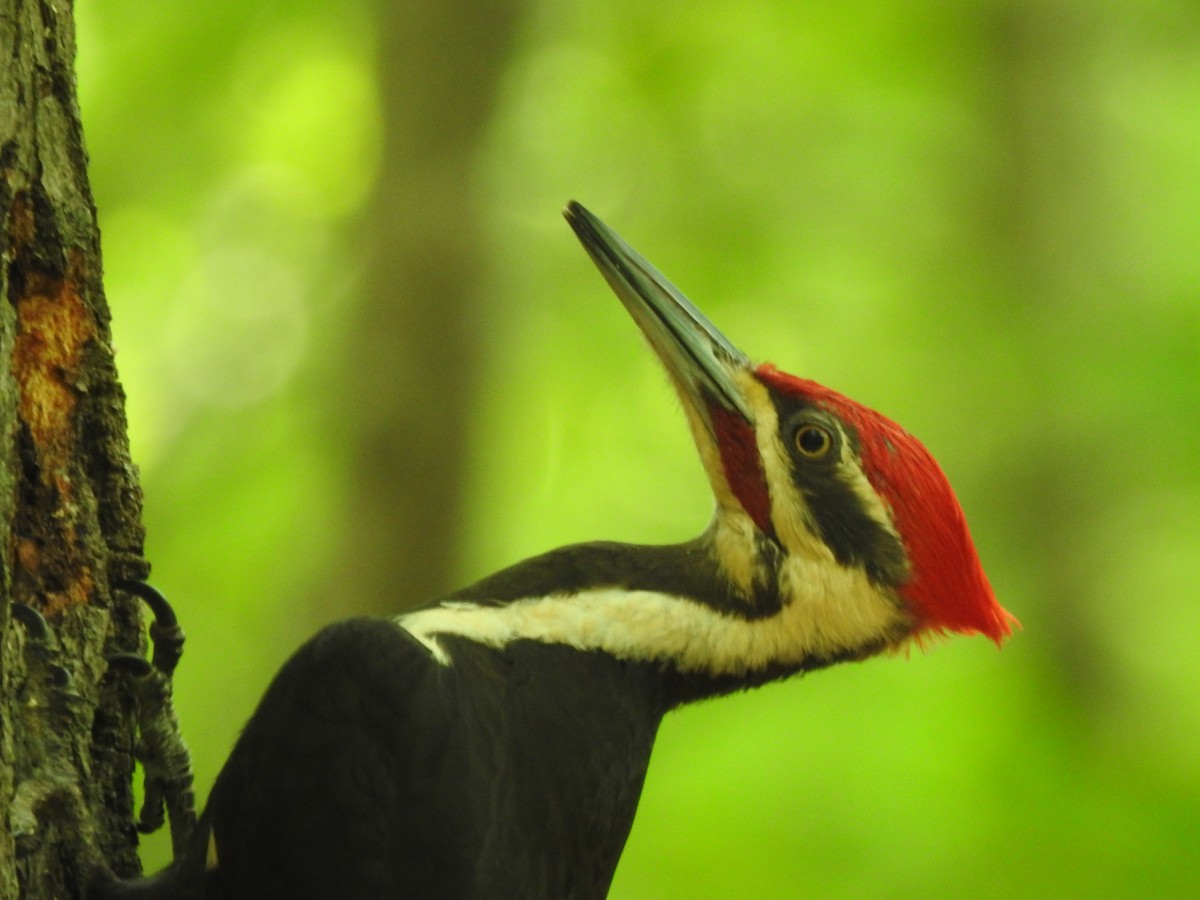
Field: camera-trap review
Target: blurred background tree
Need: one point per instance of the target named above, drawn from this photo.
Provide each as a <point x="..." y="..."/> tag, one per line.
<point x="347" y="312"/>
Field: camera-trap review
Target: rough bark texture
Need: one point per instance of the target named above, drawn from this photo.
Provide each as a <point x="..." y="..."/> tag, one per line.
<point x="70" y="505"/>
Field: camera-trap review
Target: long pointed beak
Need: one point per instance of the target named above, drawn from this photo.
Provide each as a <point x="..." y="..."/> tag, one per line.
<point x="699" y="358"/>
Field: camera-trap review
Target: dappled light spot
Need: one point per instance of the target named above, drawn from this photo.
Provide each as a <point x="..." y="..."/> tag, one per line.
<point x="239" y="327"/>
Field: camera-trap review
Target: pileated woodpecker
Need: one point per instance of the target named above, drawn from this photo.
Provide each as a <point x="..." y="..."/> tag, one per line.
<point x="493" y="744"/>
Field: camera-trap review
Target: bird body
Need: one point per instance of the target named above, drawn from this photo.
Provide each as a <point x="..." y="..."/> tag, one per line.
<point x="405" y="777"/>
<point x="494" y="743"/>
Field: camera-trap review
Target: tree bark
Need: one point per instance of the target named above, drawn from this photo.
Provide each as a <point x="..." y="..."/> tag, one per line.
<point x="70" y="504"/>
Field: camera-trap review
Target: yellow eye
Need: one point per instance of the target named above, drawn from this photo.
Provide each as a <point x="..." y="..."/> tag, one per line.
<point x="813" y="441"/>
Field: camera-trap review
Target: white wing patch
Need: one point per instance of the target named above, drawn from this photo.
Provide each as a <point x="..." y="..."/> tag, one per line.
<point x="836" y="610"/>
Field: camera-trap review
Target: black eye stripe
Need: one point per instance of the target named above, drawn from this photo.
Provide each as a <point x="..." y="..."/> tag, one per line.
<point x="834" y="508"/>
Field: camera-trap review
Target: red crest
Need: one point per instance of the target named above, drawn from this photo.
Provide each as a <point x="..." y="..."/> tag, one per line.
<point x="947" y="589"/>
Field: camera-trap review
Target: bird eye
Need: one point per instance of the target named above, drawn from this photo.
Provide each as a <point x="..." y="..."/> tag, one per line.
<point x="813" y="441"/>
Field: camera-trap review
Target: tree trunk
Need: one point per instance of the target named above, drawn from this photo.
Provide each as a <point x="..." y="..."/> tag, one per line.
<point x="70" y="505"/>
<point x="416" y="339"/>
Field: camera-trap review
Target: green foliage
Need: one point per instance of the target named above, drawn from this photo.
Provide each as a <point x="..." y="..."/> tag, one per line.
<point x="980" y="219"/>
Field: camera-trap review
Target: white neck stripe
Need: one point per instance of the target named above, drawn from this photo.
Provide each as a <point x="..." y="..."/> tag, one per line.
<point x="838" y="611"/>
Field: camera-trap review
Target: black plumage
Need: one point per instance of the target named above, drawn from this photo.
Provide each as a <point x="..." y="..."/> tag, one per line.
<point x="505" y="774"/>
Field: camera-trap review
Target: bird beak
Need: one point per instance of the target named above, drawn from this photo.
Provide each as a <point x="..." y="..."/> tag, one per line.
<point x="704" y="366"/>
<point x="701" y="361"/>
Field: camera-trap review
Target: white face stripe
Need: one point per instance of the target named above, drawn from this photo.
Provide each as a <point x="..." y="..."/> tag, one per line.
<point x="832" y="610"/>
<point x="789" y="514"/>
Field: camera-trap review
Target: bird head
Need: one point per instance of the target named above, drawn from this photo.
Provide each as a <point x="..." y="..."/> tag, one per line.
<point x="828" y="514"/>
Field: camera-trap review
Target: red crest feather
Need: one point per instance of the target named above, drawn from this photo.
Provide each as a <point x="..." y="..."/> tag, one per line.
<point x="947" y="589"/>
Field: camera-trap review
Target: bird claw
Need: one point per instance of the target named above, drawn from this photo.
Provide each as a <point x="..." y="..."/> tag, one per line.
<point x="35" y="623"/>
<point x="43" y="649"/>
<point x="166" y="761"/>
<point x="165" y="633"/>
<point x="130" y="664"/>
<point x="51" y="697"/>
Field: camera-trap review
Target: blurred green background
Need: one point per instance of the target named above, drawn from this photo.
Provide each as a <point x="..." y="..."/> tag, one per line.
<point x="366" y="361"/>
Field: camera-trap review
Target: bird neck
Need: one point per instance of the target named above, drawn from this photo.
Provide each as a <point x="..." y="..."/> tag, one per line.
<point x="687" y="571"/>
<point x="669" y="609"/>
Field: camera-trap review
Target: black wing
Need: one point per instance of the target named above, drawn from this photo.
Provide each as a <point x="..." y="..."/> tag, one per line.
<point x="342" y="783"/>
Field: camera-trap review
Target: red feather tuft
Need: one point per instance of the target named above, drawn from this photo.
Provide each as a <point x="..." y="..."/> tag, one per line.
<point x="948" y="589"/>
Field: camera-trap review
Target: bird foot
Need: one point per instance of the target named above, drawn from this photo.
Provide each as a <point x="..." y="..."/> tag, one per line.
<point x="166" y="761"/>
